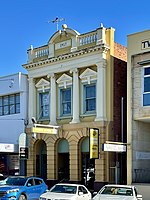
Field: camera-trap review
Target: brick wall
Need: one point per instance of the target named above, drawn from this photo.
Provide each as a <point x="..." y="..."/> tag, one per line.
<point x="120" y="52"/>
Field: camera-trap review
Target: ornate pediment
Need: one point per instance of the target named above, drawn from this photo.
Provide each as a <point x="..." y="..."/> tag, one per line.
<point x="64" y="80"/>
<point x="88" y="75"/>
<point x="42" y="84"/>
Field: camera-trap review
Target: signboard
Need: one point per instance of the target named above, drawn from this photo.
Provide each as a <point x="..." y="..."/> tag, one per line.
<point x="114" y="147"/>
<point x="94" y="143"/>
<point x="23" y="152"/>
<point x="44" y="130"/>
<point x="7" y="147"/>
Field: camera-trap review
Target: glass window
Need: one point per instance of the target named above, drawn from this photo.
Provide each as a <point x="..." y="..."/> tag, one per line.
<point x="89" y="98"/>
<point x="44" y="105"/>
<point x="65" y="101"/>
<point x="10" y="104"/>
<point x="146" y="93"/>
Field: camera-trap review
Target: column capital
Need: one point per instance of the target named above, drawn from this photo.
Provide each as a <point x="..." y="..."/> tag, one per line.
<point x="31" y="80"/>
<point x="101" y="63"/>
<point x="74" y="70"/>
<point x="51" y="75"/>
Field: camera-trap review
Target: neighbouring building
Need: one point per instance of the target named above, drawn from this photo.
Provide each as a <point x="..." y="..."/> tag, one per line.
<point x="77" y="82"/>
<point x="13" y="119"/>
<point x="138" y="110"/>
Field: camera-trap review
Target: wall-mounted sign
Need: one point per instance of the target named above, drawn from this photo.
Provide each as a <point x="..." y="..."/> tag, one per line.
<point x="23" y="152"/>
<point x="44" y="130"/>
<point x="114" y="147"/>
<point x="7" y="147"/>
<point x="63" y="44"/>
<point x="94" y="142"/>
<point x="145" y="44"/>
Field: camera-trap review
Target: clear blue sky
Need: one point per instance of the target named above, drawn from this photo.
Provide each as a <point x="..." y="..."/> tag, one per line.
<point x="25" y="22"/>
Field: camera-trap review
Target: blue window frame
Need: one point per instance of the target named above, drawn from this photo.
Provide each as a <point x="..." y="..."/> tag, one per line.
<point x="89" y="98"/>
<point x="146" y="92"/>
<point x="44" y="105"/>
<point x="65" y="101"/>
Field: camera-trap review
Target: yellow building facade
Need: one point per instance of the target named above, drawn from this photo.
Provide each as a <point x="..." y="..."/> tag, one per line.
<point x="71" y="85"/>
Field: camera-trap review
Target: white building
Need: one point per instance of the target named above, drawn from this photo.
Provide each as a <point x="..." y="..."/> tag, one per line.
<point x="13" y="119"/>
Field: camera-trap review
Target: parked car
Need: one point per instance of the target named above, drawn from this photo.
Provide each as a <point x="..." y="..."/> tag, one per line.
<point x="22" y="188"/>
<point x="67" y="191"/>
<point x="121" y="192"/>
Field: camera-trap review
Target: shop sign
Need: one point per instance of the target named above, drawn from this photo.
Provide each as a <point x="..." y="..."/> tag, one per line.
<point x="23" y="152"/>
<point x="7" y="147"/>
<point x="94" y="143"/>
<point x="44" y="130"/>
<point x="114" y="147"/>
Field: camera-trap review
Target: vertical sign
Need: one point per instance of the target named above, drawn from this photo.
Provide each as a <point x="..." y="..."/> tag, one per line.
<point x="94" y="143"/>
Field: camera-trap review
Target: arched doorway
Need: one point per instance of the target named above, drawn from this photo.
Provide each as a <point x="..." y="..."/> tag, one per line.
<point x="63" y="160"/>
<point x="41" y="159"/>
<point x="88" y="165"/>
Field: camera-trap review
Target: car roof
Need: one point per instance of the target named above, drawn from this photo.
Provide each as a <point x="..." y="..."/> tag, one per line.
<point x="117" y="185"/>
<point x="71" y="184"/>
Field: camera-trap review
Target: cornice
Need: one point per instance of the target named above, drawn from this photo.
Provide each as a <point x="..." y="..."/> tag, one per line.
<point x="102" y="48"/>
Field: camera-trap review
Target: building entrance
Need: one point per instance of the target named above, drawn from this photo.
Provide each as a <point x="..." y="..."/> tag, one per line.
<point x="63" y="160"/>
<point x="88" y="165"/>
<point x="41" y="159"/>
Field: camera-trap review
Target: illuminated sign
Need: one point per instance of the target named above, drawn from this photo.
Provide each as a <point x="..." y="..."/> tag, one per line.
<point x="44" y="130"/>
<point x="7" y="147"/>
<point x="94" y="143"/>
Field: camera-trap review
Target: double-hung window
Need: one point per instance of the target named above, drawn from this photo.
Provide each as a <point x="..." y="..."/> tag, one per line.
<point x="65" y="101"/>
<point x="44" y="100"/>
<point x="89" y="98"/>
<point x="146" y="92"/>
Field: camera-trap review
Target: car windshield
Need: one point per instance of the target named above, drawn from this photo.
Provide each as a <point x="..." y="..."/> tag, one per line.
<point x="64" y="189"/>
<point x="117" y="191"/>
<point x="15" y="181"/>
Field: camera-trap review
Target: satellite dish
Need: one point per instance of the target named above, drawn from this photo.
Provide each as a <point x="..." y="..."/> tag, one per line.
<point x="64" y="26"/>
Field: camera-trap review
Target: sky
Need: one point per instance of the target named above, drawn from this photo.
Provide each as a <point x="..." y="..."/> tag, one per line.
<point x="25" y="22"/>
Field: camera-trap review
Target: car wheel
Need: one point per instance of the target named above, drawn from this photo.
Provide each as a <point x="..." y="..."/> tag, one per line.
<point x="22" y="197"/>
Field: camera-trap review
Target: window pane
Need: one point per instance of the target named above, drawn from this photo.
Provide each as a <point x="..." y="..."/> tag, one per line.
<point x="90" y="97"/>
<point x="17" y="108"/>
<point x="12" y="109"/>
<point x="146" y="99"/>
<point x="90" y="104"/>
<point x="65" y="101"/>
<point x="66" y="95"/>
<point x="147" y="84"/>
<point x="45" y="111"/>
<point x="147" y="71"/>
<point x="12" y="99"/>
<point x="44" y="105"/>
<point x="5" y="110"/>
<point x="5" y="100"/>
<point x="0" y="101"/>
<point x="1" y="111"/>
<point x="18" y="98"/>
<point x="90" y="91"/>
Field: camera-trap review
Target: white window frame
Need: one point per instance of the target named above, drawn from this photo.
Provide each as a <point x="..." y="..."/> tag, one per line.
<point x="39" y="105"/>
<point x="144" y="93"/>
<point x="84" y="111"/>
<point x="60" y="108"/>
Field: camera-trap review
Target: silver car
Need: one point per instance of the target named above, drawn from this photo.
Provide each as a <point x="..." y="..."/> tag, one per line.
<point x="119" y="192"/>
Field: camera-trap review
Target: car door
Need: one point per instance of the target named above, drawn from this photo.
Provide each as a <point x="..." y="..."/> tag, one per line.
<point x="30" y="189"/>
<point x="83" y="193"/>
<point x="39" y="186"/>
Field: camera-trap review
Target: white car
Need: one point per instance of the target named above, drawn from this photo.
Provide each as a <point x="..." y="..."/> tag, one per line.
<point x="119" y="192"/>
<point x="67" y="191"/>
